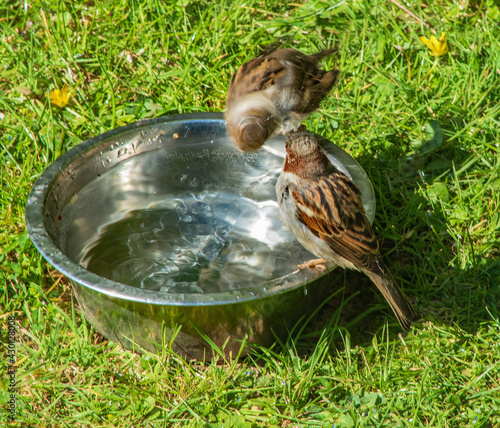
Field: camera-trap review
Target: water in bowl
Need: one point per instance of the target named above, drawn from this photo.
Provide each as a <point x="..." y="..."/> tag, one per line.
<point x="183" y="219"/>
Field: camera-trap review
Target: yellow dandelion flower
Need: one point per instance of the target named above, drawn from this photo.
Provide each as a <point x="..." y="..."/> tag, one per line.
<point x="436" y="47"/>
<point x="60" y="97"/>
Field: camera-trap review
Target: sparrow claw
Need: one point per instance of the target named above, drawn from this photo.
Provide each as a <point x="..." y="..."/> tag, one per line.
<point x="318" y="264"/>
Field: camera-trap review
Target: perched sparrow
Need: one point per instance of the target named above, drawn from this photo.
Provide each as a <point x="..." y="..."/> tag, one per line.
<point x="274" y="93"/>
<point x="322" y="208"/>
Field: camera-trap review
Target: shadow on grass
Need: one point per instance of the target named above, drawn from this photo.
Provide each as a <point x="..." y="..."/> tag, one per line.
<point x="419" y="244"/>
<point x="425" y="254"/>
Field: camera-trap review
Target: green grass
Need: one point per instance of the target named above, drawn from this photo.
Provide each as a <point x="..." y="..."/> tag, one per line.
<point x="426" y="132"/>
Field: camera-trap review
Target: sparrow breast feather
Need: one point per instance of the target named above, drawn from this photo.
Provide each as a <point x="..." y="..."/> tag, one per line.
<point x="322" y="208"/>
<point x="274" y="93"/>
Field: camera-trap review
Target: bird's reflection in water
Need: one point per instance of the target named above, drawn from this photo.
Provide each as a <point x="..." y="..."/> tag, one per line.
<point x="195" y="246"/>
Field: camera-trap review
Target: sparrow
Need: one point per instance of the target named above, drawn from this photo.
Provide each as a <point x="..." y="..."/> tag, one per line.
<point x="322" y="208"/>
<point x="274" y="93"/>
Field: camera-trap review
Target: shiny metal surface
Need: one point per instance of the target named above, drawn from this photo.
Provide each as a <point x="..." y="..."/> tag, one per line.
<point x="163" y="223"/>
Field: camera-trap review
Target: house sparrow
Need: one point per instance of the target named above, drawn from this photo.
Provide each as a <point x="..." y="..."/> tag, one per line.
<point x="322" y="208"/>
<point x="274" y="93"/>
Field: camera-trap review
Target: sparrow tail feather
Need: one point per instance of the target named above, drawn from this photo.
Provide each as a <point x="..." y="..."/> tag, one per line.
<point x="401" y="306"/>
<point x="318" y="56"/>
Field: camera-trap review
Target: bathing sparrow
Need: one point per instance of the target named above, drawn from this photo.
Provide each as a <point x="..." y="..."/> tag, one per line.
<point x="322" y="208"/>
<point x="274" y="93"/>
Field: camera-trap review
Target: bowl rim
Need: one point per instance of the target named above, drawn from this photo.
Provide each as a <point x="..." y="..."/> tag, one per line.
<point x="35" y="225"/>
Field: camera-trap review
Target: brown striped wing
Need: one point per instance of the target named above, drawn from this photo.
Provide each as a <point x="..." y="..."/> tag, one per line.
<point x="313" y="83"/>
<point x="256" y="75"/>
<point x="332" y="210"/>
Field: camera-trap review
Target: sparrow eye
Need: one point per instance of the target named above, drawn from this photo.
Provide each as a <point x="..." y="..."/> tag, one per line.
<point x="286" y="192"/>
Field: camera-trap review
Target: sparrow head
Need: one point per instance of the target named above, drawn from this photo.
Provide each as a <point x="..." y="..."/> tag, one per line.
<point x="253" y="131"/>
<point x="304" y="155"/>
<point x="251" y="121"/>
<point x="301" y="143"/>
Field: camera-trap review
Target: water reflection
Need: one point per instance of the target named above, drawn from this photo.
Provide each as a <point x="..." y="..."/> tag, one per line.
<point x="190" y="221"/>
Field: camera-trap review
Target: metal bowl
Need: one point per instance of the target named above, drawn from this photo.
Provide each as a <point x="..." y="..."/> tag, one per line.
<point x="168" y="232"/>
